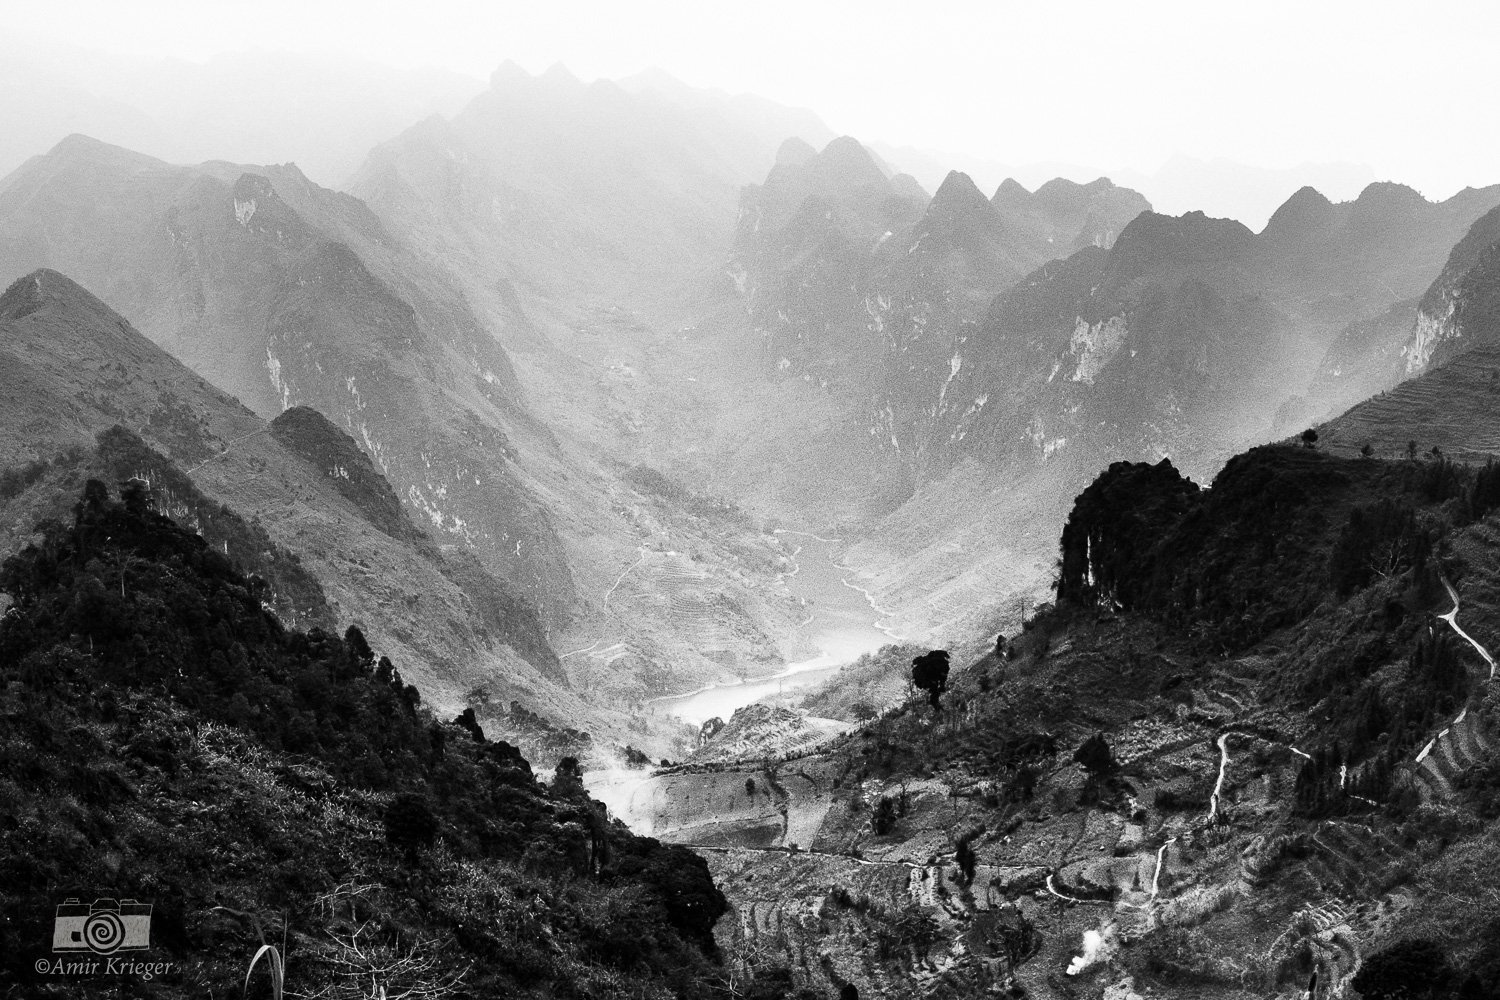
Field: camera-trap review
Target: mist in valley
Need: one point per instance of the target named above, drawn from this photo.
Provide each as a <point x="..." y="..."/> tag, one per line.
<point x="640" y="390"/>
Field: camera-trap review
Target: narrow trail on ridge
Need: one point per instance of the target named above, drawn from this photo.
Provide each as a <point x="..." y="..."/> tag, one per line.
<point x="1213" y="800"/>
<point x="1452" y="619"/>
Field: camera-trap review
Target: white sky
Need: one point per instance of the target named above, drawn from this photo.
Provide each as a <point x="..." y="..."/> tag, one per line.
<point x="1406" y="88"/>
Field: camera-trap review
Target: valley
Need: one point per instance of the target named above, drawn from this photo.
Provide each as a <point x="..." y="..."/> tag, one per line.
<point x="636" y="439"/>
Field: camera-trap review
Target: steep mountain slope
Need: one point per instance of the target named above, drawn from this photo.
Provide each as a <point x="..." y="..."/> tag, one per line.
<point x="1190" y="337"/>
<point x="75" y="369"/>
<point x="1457" y="311"/>
<point x="1219" y="766"/>
<point x="1462" y="307"/>
<point x="697" y="595"/>
<point x="283" y="293"/>
<point x="168" y="742"/>
<point x="1447" y="407"/>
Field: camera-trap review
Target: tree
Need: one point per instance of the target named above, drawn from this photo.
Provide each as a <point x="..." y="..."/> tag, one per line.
<point x="467" y="722"/>
<point x="967" y="859"/>
<point x="1411" y="450"/>
<point x="1096" y="758"/>
<point x="568" y="777"/>
<point x="1410" y="970"/>
<point x="862" y="711"/>
<point x="930" y="673"/>
<point x="749" y="786"/>
<point x="1309" y="438"/>
<point x="1366" y="450"/>
<point x="410" y="824"/>
<point x="884" y="818"/>
<point x="359" y="648"/>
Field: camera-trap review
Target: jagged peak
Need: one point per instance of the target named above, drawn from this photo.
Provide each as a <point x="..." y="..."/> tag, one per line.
<point x="1387" y="196"/>
<point x="509" y="71"/>
<point x="794" y="152"/>
<point x="958" y="193"/>
<point x="844" y="164"/>
<point x="46" y="289"/>
<point x="1010" y="188"/>
<point x="847" y="147"/>
<point x="78" y="146"/>
<point x="1059" y="187"/>
<point x="1151" y="238"/>
<point x="1307" y="208"/>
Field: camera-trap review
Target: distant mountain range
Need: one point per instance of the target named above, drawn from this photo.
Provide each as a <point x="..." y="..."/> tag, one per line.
<point x="320" y="111"/>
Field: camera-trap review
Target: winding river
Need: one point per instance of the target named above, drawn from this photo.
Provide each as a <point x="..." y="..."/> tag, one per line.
<point x="843" y="622"/>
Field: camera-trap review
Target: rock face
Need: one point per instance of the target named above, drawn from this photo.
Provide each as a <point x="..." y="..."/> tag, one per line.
<point x="1188" y="337"/>
<point x="1461" y="309"/>
<point x="284" y="294"/>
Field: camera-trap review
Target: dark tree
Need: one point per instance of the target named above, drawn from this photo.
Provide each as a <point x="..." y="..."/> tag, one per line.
<point x="1096" y="758"/>
<point x="884" y="818"/>
<point x="749" y="786"/>
<point x="569" y="776"/>
<point x="410" y="824"/>
<point x="359" y="647"/>
<point x="1367" y="450"/>
<point x="1309" y="438"/>
<point x="1411" y="450"/>
<point x="1411" y="970"/>
<point x="930" y="673"/>
<point x="849" y="992"/>
<point x="862" y="711"/>
<point x="967" y="859"/>
<point x="470" y="724"/>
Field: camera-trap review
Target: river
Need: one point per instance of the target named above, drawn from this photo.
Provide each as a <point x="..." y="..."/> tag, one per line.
<point x="843" y="622"/>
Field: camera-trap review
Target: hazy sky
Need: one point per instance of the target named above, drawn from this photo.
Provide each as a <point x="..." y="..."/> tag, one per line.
<point x="1405" y="88"/>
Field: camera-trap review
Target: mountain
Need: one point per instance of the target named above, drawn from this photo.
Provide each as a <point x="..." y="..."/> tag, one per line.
<point x="284" y="293"/>
<point x="1250" y="194"/>
<point x="1451" y="340"/>
<point x="565" y="188"/>
<point x="1452" y="314"/>
<point x="267" y="792"/>
<point x="1203" y="771"/>
<point x="295" y="500"/>
<point x="829" y="256"/>
<point x="1190" y="337"/>
<point x="288" y="295"/>
<point x="1462" y="307"/>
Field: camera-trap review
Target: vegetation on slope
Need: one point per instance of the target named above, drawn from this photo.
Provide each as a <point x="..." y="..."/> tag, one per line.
<point x="164" y="738"/>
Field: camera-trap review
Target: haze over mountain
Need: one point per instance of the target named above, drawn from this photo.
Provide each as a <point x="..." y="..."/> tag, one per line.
<point x="319" y="111"/>
<point x="347" y="550"/>
<point x="1218" y="187"/>
<point x="932" y="554"/>
<point x="288" y="294"/>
